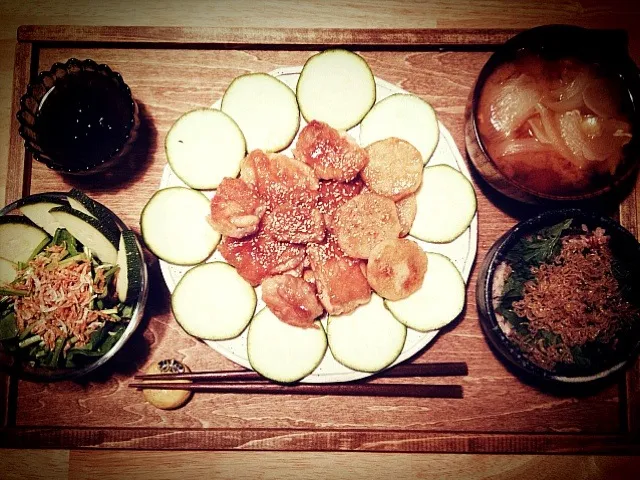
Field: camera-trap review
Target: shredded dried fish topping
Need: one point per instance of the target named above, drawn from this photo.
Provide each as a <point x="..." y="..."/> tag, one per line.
<point x="60" y="291"/>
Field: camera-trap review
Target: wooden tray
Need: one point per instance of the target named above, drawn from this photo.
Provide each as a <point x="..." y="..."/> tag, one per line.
<point x="171" y="70"/>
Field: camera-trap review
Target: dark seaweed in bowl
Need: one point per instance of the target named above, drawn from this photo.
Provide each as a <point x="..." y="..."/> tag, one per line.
<point x="538" y="240"/>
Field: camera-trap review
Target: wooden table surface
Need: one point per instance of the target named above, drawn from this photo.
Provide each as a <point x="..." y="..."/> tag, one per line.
<point x="54" y="464"/>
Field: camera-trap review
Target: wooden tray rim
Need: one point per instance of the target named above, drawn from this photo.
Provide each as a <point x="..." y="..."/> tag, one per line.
<point x="31" y="37"/>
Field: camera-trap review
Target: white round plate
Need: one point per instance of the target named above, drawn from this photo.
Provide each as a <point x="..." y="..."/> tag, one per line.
<point x="461" y="251"/>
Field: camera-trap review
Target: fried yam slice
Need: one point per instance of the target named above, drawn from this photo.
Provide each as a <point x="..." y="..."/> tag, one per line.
<point x="407" y="209"/>
<point x="339" y="279"/>
<point x="364" y="221"/>
<point x="394" y="169"/>
<point x="236" y="209"/>
<point x="258" y="256"/>
<point x="292" y="300"/>
<point x="295" y="224"/>
<point x="332" y="155"/>
<point x="333" y="194"/>
<point x="396" y="268"/>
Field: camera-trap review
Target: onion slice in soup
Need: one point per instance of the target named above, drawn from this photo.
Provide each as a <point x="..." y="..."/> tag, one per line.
<point x="515" y="101"/>
<point x="601" y="96"/>
<point x="550" y="123"/>
<point x="594" y="139"/>
<point x="518" y="146"/>
<point x="538" y="131"/>
<point x="569" y="96"/>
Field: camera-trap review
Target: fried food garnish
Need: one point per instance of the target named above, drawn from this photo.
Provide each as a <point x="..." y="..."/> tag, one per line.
<point x="333" y="194"/>
<point x="407" y="209"/>
<point x="396" y="268"/>
<point x="259" y="256"/>
<point x="341" y="283"/>
<point x="364" y="221"/>
<point x="295" y="224"/>
<point x="332" y="155"/>
<point x="236" y="209"/>
<point x="394" y="169"/>
<point x="292" y="300"/>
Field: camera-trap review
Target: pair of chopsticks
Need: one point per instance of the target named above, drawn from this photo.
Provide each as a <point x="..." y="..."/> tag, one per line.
<point x="239" y="381"/>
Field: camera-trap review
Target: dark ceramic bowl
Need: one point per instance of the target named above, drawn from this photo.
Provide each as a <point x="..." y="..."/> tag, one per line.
<point x="605" y="48"/>
<point x="625" y="249"/>
<point x="78" y="118"/>
<point x="23" y="369"/>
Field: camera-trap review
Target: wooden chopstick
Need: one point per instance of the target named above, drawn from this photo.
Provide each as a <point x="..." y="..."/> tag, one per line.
<point x="442" y="369"/>
<point x="354" y="389"/>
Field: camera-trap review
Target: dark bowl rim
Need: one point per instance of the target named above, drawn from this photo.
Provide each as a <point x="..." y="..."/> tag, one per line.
<point x="484" y="297"/>
<point x="86" y="64"/>
<point x="519" y="41"/>
<point x="135" y="321"/>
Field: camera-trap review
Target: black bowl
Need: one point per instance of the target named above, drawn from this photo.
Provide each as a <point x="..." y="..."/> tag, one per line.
<point x="625" y="248"/>
<point x="23" y="369"/>
<point x="606" y="48"/>
<point x="78" y="118"/>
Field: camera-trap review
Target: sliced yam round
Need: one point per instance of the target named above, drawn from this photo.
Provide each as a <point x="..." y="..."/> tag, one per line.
<point x="336" y="86"/>
<point x="20" y="238"/>
<point x="446" y="205"/>
<point x="404" y="116"/>
<point x="368" y="339"/>
<point x="8" y="271"/>
<point x="282" y="352"/>
<point x="407" y="209"/>
<point x="213" y="302"/>
<point x="175" y="226"/>
<point x="394" y="169"/>
<point x="204" y="146"/>
<point x="396" y="268"/>
<point x="363" y="221"/>
<point x="265" y="109"/>
<point x="439" y="300"/>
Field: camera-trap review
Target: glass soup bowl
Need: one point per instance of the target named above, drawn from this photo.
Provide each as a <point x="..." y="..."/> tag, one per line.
<point x="551" y="76"/>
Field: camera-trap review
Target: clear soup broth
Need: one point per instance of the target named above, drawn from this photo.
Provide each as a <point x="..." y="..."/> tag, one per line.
<point x="555" y="127"/>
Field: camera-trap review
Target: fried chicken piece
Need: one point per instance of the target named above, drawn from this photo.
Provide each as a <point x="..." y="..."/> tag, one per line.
<point x="292" y="300"/>
<point x="236" y="209"/>
<point x="332" y="155"/>
<point x="396" y="268"/>
<point x="295" y="224"/>
<point x="259" y="256"/>
<point x="339" y="279"/>
<point x="280" y="179"/>
<point x="333" y="194"/>
<point x="364" y="221"/>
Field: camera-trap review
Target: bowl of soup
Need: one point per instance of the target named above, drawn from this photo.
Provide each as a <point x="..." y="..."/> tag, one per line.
<point x="78" y="118"/>
<point x="554" y="115"/>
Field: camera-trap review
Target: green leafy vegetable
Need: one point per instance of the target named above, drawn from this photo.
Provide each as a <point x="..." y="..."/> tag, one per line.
<point x="8" y="327"/>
